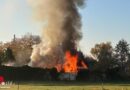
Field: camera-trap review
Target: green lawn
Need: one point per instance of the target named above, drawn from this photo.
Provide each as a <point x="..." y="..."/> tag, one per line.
<point x="66" y="86"/>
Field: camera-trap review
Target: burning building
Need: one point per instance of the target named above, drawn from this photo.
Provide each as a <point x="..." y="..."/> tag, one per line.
<point x="71" y="66"/>
<point x="61" y="32"/>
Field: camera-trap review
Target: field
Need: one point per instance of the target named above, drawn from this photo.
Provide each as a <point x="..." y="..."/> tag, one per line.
<point x="66" y="86"/>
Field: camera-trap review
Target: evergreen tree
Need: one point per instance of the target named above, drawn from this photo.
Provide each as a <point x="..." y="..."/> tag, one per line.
<point x="122" y="53"/>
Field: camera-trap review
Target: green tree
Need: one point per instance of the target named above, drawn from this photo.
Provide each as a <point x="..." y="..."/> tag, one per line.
<point x="122" y="53"/>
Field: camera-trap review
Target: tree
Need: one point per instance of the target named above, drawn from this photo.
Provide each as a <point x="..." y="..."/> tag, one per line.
<point x="8" y="55"/>
<point x="127" y="66"/>
<point x="22" y="48"/>
<point x="18" y="49"/>
<point x="129" y="57"/>
<point x="122" y="53"/>
<point x="1" y="54"/>
<point x="103" y="53"/>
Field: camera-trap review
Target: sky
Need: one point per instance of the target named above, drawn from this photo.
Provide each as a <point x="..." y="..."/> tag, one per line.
<point x="103" y="20"/>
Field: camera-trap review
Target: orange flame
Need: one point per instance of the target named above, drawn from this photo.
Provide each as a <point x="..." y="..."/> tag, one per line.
<point x="70" y="64"/>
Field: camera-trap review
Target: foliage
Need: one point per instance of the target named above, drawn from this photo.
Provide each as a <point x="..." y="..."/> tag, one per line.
<point x="122" y="52"/>
<point x="8" y="55"/>
<point x="19" y="49"/>
<point x="105" y="61"/>
<point x="103" y="53"/>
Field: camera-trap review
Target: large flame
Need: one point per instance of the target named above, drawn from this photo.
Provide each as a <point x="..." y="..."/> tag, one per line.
<point x="70" y="64"/>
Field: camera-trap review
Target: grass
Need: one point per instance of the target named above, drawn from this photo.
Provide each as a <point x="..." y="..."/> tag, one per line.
<point x="66" y="86"/>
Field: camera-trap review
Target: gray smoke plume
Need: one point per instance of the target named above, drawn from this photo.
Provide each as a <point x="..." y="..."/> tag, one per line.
<point x="61" y="30"/>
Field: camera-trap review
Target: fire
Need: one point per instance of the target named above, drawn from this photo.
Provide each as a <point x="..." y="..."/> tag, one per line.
<point x="70" y="64"/>
<point x="83" y="66"/>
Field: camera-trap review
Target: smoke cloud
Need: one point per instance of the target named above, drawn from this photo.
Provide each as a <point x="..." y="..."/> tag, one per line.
<point x="61" y="30"/>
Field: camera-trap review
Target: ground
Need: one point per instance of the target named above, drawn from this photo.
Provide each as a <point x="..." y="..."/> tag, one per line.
<point x="66" y="86"/>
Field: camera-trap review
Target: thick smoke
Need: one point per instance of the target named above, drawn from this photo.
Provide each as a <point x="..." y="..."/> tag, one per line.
<point x="61" y="30"/>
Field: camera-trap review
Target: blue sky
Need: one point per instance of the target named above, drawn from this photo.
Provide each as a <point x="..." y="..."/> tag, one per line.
<point x="103" y="20"/>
